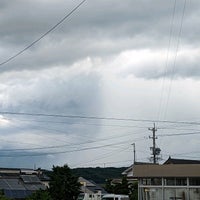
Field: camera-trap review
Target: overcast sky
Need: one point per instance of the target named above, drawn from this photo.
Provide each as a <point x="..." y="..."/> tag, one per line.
<point x="130" y="59"/>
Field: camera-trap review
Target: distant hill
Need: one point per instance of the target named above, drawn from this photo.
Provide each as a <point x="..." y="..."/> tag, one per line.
<point x="98" y="174"/>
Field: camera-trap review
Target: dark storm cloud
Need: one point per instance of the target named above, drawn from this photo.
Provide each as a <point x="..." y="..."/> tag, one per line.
<point x="97" y="29"/>
<point x="105" y="60"/>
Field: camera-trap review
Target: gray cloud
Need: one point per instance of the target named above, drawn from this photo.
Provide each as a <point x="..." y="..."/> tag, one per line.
<point x="107" y="59"/>
<point x="96" y="29"/>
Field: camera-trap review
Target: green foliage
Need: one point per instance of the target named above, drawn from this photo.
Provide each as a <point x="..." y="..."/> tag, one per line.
<point x="2" y="196"/>
<point x="133" y="191"/>
<point x="99" y="175"/>
<point x="124" y="187"/>
<point x="63" y="185"/>
<point x="40" y="195"/>
<point x="108" y="186"/>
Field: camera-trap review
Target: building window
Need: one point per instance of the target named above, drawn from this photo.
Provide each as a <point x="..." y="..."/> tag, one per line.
<point x="175" y="181"/>
<point x="156" y="181"/>
<point x="151" y="194"/>
<point x="194" y="181"/>
<point x="169" y="181"/>
<point x="151" y="181"/>
<point x="146" y="181"/>
<point x="181" y="181"/>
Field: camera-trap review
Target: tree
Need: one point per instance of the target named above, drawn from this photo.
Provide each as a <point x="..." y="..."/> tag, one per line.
<point x="108" y="186"/>
<point x="122" y="188"/>
<point x="63" y="184"/>
<point x="133" y="191"/>
<point x="40" y="195"/>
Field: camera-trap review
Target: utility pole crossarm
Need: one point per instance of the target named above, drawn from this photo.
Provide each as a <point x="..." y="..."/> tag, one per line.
<point x="154" y="149"/>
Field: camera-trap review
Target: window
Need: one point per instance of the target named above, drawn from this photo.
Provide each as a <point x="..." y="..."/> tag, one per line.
<point x="156" y="181"/>
<point x="146" y="181"/>
<point x="151" y="181"/>
<point x="175" y="181"/>
<point x="181" y="181"/>
<point x="194" y="181"/>
<point x="169" y="181"/>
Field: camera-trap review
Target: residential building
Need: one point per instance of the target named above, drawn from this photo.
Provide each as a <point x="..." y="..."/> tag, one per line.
<point x="129" y="171"/>
<point x="90" y="190"/>
<point x="19" y="183"/>
<point x="180" y="161"/>
<point x="179" y="181"/>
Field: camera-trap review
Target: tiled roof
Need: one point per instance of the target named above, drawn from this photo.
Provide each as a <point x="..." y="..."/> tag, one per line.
<point x="180" y="161"/>
<point x="18" y="186"/>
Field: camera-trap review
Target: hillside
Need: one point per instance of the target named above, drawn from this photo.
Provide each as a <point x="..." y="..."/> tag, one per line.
<point x="99" y="175"/>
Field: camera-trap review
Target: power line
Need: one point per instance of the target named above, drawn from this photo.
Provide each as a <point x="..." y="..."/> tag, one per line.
<point x="79" y="123"/>
<point x="45" y="34"/>
<point x="178" y="134"/>
<point x="175" y="59"/>
<point x="63" y="152"/>
<point x="98" y="118"/>
<point x="166" y="64"/>
<point x="71" y="145"/>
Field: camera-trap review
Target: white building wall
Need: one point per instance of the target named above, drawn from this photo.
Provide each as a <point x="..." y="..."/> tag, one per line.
<point x="165" y="192"/>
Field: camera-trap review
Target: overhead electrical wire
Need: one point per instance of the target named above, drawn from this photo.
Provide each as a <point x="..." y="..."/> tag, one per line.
<point x="175" y="60"/>
<point x="98" y="118"/>
<point x="174" y="127"/>
<point x="166" y="65"/>
<point x="43" y="35"/>
<point x="22" y="154"/>
<point x="67" y="145"/>
<point x="178" y="134"/>
<point x="79" y="123"/>
<point x="163" y="107"/>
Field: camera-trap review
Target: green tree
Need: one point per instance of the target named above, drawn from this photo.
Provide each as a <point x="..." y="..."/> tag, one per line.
<point x="63" y="184"/>
<point x="133" y="191"/>
<point x="108" y="186"/>
<point x="40" y="195"/>
<point x="122" y="188"/>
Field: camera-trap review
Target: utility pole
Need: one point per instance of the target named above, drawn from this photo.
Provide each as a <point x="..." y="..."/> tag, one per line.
<point x="155" y="151"/>
<point x="134" y="158"/>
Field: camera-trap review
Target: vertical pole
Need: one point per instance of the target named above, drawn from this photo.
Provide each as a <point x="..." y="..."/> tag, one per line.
<point x="154" y="142"/>
<point x="134" y="154"/>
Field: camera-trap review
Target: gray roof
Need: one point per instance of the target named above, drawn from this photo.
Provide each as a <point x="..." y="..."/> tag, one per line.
<point x="85" y="182"/>
<point x="180" y="161"/>
<point x="90" y="186"/>
<point x="11" y="183"/>
<point x="17" y="194"/>
<point x="34" y="187"/>
<point x="30" y="179"/>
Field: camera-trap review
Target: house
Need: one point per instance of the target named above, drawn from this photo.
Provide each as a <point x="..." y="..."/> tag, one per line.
<point x="180" y="161"/>
<point x="129" y="171"/>
<point x="90" y="190"/>
<point x="176" y="179"/>
<point x="19" y="183"/>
